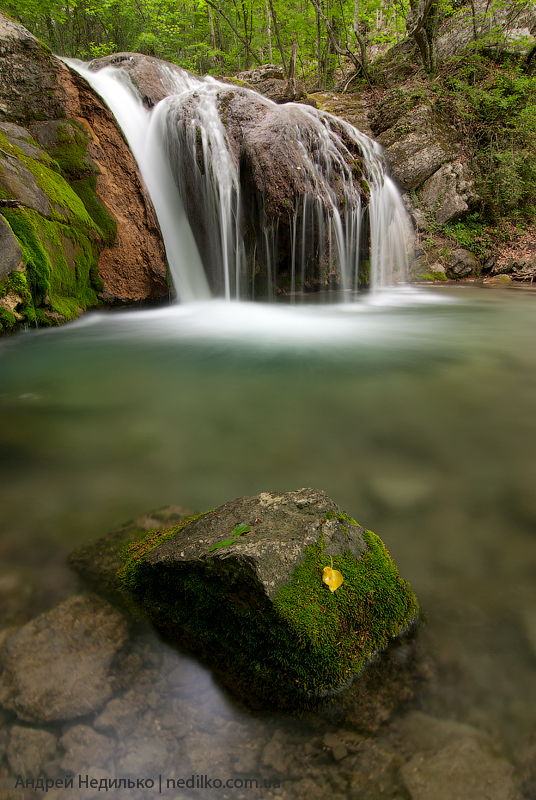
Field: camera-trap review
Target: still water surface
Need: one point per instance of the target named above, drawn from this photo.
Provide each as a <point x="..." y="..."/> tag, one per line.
<point x="414" y="411"/>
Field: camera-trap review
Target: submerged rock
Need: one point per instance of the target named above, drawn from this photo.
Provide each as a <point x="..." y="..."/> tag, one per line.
<point x="461" y="769"/>
<point x="29" y="749"/>
<point x="59" y="666"/>
<point x="242" y="587"/>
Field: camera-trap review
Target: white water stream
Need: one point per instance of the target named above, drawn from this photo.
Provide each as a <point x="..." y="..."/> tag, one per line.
<point x="162" y="152"/>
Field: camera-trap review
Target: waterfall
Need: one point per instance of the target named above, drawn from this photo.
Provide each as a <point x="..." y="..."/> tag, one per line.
<point x="333" y="220"/>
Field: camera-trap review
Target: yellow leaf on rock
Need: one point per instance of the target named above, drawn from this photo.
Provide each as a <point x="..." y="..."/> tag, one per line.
<point x="332" y="578"/>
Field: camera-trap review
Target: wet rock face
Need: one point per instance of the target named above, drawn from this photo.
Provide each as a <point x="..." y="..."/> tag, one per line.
<point x="242" y="587"/>
<point x="278" y="157"/>
<point x="152" y="78"/>
<point x="52" y="120"/>
<point x="417" y="140"/>
<point x="281" y="527"/>
<point x="10" y="252"/>
<point x="245" y="168"/>
<point x="32" y="81"/>
<point x="461" y="263"/>
<point x="59" y="666"/>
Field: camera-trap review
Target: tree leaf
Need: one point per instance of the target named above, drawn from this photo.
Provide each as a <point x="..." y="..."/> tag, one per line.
<point x="241" y="529"/>
<point x="332" y="577"/>
<point x="222" y="544"/>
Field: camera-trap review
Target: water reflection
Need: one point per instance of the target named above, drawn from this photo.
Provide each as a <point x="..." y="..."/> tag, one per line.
<point x="415" y="413"/>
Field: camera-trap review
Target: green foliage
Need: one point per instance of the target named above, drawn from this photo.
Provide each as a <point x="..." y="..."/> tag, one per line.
<point x="240" y="530"/>
<point x="221" y="37"/>
<point x="494" y="108"/>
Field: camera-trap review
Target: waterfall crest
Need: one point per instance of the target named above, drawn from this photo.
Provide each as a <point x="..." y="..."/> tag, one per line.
<point x="256" y="199"/>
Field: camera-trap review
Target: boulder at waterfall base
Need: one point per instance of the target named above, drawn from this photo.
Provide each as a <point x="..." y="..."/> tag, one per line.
<point x="242" y="588"/>
<point x="291" y="166"/>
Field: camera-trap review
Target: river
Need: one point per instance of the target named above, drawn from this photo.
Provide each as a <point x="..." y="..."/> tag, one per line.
<point x="412" y="408"/>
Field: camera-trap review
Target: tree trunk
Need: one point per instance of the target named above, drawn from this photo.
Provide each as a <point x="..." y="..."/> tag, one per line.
<point x="233" y="28"/>
<point x="291" y="85"/>
<point x="269" y="33"/>
<point x="360" y="65"/>
<point x="212" y="32"/>
<point x="421" y="23"/>
<point x="279" y="45"/>
<point x="360" y="40"/>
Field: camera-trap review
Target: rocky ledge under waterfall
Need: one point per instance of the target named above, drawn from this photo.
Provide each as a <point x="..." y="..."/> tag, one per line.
<point x="280" y="198"/>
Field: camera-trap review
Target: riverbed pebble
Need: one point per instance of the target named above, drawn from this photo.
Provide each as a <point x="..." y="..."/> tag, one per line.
<point x="58" y="666"/>
<point x="29" y="749"/>
<point x="460" y="771"/>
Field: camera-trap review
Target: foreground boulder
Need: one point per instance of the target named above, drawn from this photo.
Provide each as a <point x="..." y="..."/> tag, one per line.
<point x="78" y="227"/>
<point x="242" y="587"/>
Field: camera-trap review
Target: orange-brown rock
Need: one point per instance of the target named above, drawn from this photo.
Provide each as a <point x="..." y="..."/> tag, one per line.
<point x="37" y="88"/>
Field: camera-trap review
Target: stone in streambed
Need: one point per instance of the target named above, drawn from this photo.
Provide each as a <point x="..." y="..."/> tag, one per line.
<point x="59" y="666"/>
<point x="29" y="749"/>
<point x="251" y="602"/>
<point x="98" y="562"/>
<point x="460" y="771"/>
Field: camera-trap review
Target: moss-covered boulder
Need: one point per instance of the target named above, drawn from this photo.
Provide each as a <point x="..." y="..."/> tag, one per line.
<point x="77" y="220"/>
<point x="243" y="588"/>
<point x="58" y="239"/>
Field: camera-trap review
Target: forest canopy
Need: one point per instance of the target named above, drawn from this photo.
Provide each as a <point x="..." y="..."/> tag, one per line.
<point x="226" y="36"/>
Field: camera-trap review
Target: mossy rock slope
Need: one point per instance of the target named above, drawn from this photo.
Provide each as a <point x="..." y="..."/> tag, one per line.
<point x="242" y="588"/>
<point x="78" y="228"/>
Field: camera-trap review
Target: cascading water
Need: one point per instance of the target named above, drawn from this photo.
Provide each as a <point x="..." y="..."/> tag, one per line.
<point x="281" y="198"/>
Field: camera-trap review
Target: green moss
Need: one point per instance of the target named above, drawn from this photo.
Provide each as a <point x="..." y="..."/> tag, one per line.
<point x="86" y="189"/>
<point x="343" y="630"/>
<point x="44" y="243"/>
<point x="61" y="251"/>
<point x="16" y="283"/>
<point x="309" y="642"/>
<point x="70" y="153"/>
<point x="7" y="320"/>
<point x="429" y="276"/>
<point x="135" y="553"/>
<point x="65" y="203"/>
<point x="364" y="273"/>
<point x="34" y="254"/>
<point x="70" y="150"/>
